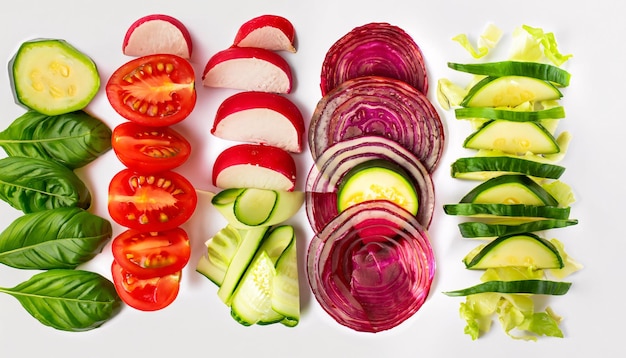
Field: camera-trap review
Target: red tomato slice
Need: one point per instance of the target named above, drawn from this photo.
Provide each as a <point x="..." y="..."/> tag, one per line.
<point x="148" y="294"/>
<point x="149" y="149"/>
<point x="151" y="202"/>
<point x="154" y="90"/>
<point x="150" y="254"/>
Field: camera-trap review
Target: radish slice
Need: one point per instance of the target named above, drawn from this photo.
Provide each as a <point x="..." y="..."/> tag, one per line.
<point x="260" y="117"/>
<point x="157" y="34"/>
<point x="372" y="267"/>
<point x="254" y="166"/>
<point x="325" y="176"/>
<point x="270" y="32"/>
<point x="375" y="105"/>
<point x="374" y="49"/>
<point x="248" y="68"/>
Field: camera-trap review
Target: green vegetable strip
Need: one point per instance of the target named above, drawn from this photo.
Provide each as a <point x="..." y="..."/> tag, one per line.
<point x="538" y="70"/>
<point x="509" y="115"/>
<point x="538" y="287"/>
<point x="508" y="210"/>
<point x="506" y="164"/>
<point x="478" y="229"/>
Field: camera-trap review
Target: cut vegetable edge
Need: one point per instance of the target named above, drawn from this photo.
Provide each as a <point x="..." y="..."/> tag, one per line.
<point x="509" y="114"/>
<point x="483" y="168"/>
<point x="510" y="189"/>
<point x="542" y="71"/>
<point x="509" y="91"/>
<point x="531" y="286"/>
<point x="475" y="229"/>
<point x="507" y="210"/>
<point x="156" y="34"/>
<point x="515" y="138"/>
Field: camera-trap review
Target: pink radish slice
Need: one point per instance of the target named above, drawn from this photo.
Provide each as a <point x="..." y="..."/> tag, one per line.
<point x="157" y="34"/>
<point x="270" y="32"/>
<point x="260" y="117"/>
<point x="254" y="166"/>
<point x="248" y="68"/>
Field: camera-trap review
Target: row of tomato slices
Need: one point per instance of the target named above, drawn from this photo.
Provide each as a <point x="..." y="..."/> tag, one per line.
<point x="370" y="267"/>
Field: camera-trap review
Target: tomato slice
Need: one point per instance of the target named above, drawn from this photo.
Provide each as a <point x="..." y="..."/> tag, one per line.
<point x="154" y="90"/>
<point x="150" y="254"/>
<point x="151" y="202"/>
<point x="149" y="294"/>
<point x="149" y="149"/>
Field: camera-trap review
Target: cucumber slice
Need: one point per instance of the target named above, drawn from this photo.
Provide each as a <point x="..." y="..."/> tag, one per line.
<point x="509" y="91"/>
<point x="510" y="189"/>
<point x="221" y="249"/>
<point x="251" y="240"/>
<point x="474" y="229"/>
<point x="513" y="138"/>
<point x="509" y="114"/>
<point x="516" y="250"/>
<point x="542" y="71"/>
<point x="377" y="180"/>
<point x="532" y="286"/>
<point x="246" y="208"/>
<point x="286" y="289"/>
<point x="484" y="168"/>
<point x="507" y="210"/>
<point x="52" y="77"/>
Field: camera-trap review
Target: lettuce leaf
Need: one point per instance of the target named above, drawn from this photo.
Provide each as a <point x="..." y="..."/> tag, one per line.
<point x="487" y="40"/>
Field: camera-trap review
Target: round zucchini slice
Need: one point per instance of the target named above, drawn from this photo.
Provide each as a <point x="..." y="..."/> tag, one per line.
<point x="509" y="91"/>
<point x="510" y="189"/>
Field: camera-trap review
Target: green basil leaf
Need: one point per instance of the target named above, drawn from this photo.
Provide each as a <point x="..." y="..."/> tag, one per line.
<point x="69" y="300"/>
<point x="31" y="185"/>
<point x="73" y="139"/>
<point x="56" y="238"/>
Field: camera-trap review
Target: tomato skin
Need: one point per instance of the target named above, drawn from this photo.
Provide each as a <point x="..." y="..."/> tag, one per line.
<point x="151" y="202"/>
<point x="153" y="90"/>
<point x="149" y="149"/>
<point x="148" y="294"/>
<point x="150" y="254"/>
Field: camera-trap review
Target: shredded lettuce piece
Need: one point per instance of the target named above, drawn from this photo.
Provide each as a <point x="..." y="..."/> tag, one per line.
<point x="487" y="40"/>
<point x="561" y="192"/>
<point x="569" y="264"/>
<point x="550" y="47"/>
<point x="449" y="94"/>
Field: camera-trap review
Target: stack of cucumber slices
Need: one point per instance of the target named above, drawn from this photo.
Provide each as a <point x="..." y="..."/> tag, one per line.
<point x="514" y="108"/>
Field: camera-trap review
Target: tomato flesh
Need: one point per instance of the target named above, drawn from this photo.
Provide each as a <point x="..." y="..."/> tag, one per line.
<point x="151" y="202"/>
<point x="145" y="294"/>
<point x="150" y="254"/>
<point x="153" y="90"/>
<point x="149" y="149"/>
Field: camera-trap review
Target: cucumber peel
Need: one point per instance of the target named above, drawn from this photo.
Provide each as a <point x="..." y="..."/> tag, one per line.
<point x="507" y="210"/>
<point x="530" y="286"/>
<point x="542" y="71"/>
<point x="486" y="167"/>
<point x="509" y="114"/>
<point x="509" y="91"/>
<point x="510" y="189"/>
<point x="475" y="229"/>
<point x="513" y="138"/>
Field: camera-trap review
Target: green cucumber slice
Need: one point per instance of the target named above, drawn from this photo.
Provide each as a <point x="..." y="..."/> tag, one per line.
<point x="532" y="286"/>
<point x="484" y="168"/>
<point x="377" y="180"/>
<point x="507" y="210"/>
<point x="510" y="189"/>
<point x="513" y="138"/>
<point x="509" y="91"/>
<point x="52" y="77"/>
<point x="475" y="229"/>
<point x="516" y="250"/>
<point x="285" y="294"/>
<point x="509" y="114"/>
<point x="542" y="71"/>
<point x="221" y="249"/>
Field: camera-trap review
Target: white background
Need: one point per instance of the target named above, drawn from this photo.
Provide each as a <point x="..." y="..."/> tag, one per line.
<point x="197" y="324"/>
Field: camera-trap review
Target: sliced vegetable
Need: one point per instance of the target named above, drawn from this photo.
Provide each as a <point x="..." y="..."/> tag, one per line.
<point x="509" y="91"/>
<point x="157" y="34"/>
<point x="371" y="268"/>
<point x="149" y="149"/>
<point x="248" y="68"/>
<point x="542" y="71"/>
<point x="509" y="114"/>
<point x="254" y="166"/>
<point x="374" y="49"/>
<point x="507" y="210"/>
<point x="486" y="167"/>
<point x="513" y="138"/>
<point x="537" y="287"/>
<point x="285" y="295"/>
<point x="52" y="77"/>
<point x="149" y="294"/>
<point x="510" y="189"/>
<point x="271" y="32"/>
<point x="74" y="139"/>
<point x="515" y="250"/>
<point x="68" y="299"/>
<point x="60" y="238"/>
<point x="32" y="185"/>
<point x="472" y="229"/>
<point x="155" y="90"/>
<point x="221" y="248"/>
<point x="368" y="106"/>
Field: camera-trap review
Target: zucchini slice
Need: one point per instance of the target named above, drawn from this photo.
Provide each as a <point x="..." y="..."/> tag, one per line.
<point x="542" y="71"/>
<point x="513" y="138"/>
<point x="52" y="77"/>
<point x="509" y="114"/>
<point x="510" y="189"/>
<point x="221" y="249"/>
<point x="516" y="250"/>
<point x="475" y="229"/>
<point x="484" y="168"/>
<point x="507" y="210"/>
<point x="285" y="294"/>
<point x="531" y="286"/>
<point x="509" y="91"/>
